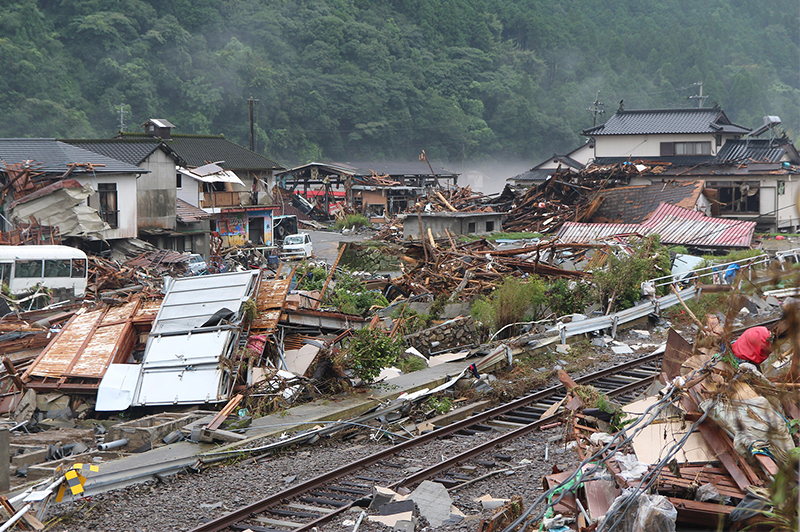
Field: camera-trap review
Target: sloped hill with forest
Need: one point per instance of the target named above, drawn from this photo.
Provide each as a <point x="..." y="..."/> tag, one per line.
<point x="464" y="79"/>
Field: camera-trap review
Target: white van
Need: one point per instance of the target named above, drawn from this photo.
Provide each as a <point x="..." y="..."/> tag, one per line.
<point x="23" y="267"/>
<point x="297" y="246"/>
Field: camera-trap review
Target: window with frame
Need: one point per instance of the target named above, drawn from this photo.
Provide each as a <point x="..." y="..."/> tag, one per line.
<point x="109" y="209"/>
<point x="78" y="268"/>
<point x="489" y="227"/>
<point x="470" y="227"/>
<point x="178" y="180"/>
<point x="28" y="268"/>
<point x="57" y="268"/>
<point x="685" y="148"/>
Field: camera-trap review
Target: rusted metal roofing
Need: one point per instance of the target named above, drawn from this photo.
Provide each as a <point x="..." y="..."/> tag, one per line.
<point x="87" y="344"/>
<point x="683" y="226"/>
<point x="188" y="213"/>
<point x="675" y="225"/>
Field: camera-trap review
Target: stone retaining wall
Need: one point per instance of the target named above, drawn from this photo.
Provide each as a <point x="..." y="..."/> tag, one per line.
<point x="454" y="333"/>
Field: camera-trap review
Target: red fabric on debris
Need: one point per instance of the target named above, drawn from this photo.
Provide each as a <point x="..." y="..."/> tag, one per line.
<point x="753" y="345"/>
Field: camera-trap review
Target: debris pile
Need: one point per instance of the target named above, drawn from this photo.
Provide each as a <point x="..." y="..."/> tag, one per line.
<point x="706" y="447"/>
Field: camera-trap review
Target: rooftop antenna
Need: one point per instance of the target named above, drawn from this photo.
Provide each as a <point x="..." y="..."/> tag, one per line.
<point x="595" y="109"/>
<point x="700" y="98"/>
<point x="122" y="112"/>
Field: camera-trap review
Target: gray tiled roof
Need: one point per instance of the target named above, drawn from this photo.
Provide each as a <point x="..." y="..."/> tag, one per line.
<point x="534" y="174"/>
<point x="400" y="169"/>
<point x="132" y="151"/>
<point x="197" y="150"/>
<point x="761" y="150"/>
<point x="55" y="156"/>
<point x="666" y="121"/>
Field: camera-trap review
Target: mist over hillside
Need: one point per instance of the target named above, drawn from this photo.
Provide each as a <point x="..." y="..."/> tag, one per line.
<point x="475" y="83"/>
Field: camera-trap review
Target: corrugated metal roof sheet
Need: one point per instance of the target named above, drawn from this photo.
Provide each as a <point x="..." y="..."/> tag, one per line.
<point x="675" y="225"/>
<point x="666" y="121"/>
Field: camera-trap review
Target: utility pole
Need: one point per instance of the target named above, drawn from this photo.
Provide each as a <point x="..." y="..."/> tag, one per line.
<point x="253" y="102"/>
<point x="700" y="98"/>
<point x="122" y="112"/>
<point x="595" y="109"/>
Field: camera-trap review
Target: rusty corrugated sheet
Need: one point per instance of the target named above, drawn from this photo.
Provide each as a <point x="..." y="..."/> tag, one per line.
<point x="87" y="344"/>
<point x="683" y="226"/>
<point x="675" y="225"/>
<point x="270" y="301"/>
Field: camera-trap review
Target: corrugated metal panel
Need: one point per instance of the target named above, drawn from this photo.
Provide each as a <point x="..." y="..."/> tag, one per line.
<point x="675" y="225"/>
<point x="191" y="301"/>
<point x="580" y="233"/>
<point x="87" y="344"/>
<point x="682" y="226"/>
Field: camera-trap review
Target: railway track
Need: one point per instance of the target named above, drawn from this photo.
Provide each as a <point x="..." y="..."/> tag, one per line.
<point x="323" y="498"/>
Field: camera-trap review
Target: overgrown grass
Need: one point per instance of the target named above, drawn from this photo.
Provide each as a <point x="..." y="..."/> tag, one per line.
<point x="351" y="220"/>
<point x="514" y="301"/>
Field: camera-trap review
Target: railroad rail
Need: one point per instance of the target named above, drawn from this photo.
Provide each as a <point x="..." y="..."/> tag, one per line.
<point x="323" y="498"/>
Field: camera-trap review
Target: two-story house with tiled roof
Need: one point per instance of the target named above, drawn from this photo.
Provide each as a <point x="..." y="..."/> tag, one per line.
<point x="745" y="177"/>
<point x="176" y="200"/>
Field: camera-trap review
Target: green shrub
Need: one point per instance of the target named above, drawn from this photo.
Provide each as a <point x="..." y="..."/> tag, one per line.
<point x="621" y="280"/>
<point x="568" y="297"/>
<point x="309" y="277"/>
<point x="514" y="301"/>
<point x="349" y="295"/>
<point x="368" y="351"/>
<point x="351" y="220"/>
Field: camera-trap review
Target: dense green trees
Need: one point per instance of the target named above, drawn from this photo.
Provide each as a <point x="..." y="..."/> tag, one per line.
<point x="354" y="79"/>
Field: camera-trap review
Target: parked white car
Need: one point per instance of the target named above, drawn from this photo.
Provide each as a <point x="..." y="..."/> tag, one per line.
<point x="297" y="247"/>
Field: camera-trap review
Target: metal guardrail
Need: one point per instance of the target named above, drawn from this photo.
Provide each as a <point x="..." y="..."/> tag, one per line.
<point x="612" y="321"/>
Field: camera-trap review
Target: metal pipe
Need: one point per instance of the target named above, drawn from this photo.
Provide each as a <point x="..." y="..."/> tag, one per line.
<point x="113" y="445"/>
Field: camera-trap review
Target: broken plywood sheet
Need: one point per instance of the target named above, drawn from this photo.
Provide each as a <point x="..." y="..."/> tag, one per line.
<point x="298" y="360"/>
<point x="653" y="442"/>
<point x="88" y="343"/>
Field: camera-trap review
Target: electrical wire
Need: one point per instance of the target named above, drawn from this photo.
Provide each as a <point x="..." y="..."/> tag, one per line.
<point x="613" y="444"/>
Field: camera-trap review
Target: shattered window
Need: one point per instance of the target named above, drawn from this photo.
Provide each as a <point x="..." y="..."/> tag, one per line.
<point x="56" y="268"/>
<point x="28" y="268"/>
<point x="78" y="268"/>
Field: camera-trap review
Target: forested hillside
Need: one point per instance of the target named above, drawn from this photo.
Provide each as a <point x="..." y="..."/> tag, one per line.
<point x="356" y="79"/>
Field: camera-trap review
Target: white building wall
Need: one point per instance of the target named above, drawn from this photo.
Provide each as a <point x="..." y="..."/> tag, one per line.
<point x="190" y="191"/>
<point x="126" y="203"/>
<point x="645" y="145"/>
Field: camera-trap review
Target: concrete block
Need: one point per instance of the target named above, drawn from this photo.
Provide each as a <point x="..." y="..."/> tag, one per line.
<point x="433" y="502"/>
<point x="151" y="429"/>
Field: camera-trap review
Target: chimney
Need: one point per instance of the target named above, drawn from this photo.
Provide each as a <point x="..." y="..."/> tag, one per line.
<point x="158" y="127"/>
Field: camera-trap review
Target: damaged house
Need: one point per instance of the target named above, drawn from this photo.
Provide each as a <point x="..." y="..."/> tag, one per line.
<point x="80" y="192"/>
<point x="745" y="177"/>
<point x="194" y="173"/>
<point x="377" y="190"/>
